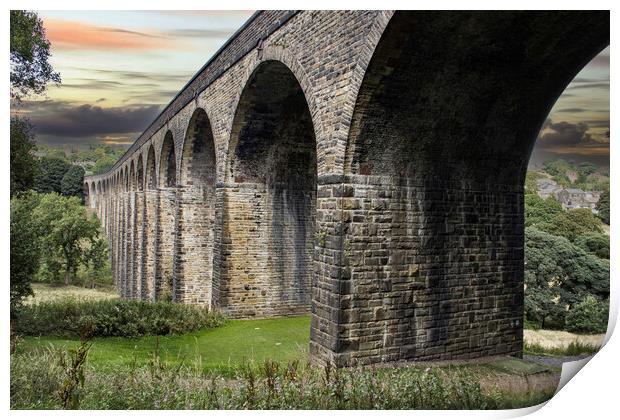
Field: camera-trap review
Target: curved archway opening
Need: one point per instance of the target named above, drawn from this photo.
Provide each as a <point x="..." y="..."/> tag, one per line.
<point x="441" y="134"/>
<point x="196" y="213"/>
<point x="270" y="199"/>
<point x="151" y="202"/>
<point x="166" y="220"/>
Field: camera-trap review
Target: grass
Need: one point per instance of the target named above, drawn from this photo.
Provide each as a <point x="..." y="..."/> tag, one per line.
<point x="44" y="292"/>
<point x="222" y="348"/>
<point x="575" y="348"/>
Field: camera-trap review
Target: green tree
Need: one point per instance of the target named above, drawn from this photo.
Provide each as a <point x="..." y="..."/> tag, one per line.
<point x="539" y="210"/>
<point x="603" y="207"/>
<point x="50" y="174"/>
<point x="556" y="167"/>
<point x="557" y="275"/>
<point x="29" y="55"/>
<point x="571" y="224"/>
<point x="25" y="247"/>
<point x="23" y="163"/>
<point x="589" y="316"/>
<point x="103" y="164"/>
<point x="72" y="183"/>
<point x="594" y="243"/>
<point x="70" y="231"/>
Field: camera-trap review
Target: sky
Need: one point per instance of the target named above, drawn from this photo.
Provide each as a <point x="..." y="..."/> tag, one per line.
<point x="120" y="68"/>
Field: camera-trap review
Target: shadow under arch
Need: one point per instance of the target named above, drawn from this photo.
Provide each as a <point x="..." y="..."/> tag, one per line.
<point x="269" y="198"/>
<point x="166" y="220"/>
<point x="444" y="123"/>
<point x="196" y="213"/>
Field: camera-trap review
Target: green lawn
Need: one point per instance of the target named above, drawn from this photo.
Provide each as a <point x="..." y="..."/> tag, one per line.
<point x="237" y="342"/>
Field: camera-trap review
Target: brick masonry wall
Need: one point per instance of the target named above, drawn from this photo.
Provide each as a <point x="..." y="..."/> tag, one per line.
<point x="403" y="230"/>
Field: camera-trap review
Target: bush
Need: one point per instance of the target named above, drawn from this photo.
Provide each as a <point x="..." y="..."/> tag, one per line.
<point x="588" y="316"/>
<point x="112" y="318"/>
<point x="594" y="243"/>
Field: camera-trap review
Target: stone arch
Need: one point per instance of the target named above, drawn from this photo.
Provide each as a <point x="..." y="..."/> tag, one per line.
<point x="151" y="203"/>
<point x="269" y="214"/>
<point x="167" y="162"/>
<point x="196" y="213"/>
<point x="166" y="219"/>
<point x="444" y="121"/>
<point x="87" y="197"/>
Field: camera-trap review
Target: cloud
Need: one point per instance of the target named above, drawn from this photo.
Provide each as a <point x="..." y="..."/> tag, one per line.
<point x="199" y="33"/>
<point x="572" y="110"/>
<point x="71" y="35"/>
<point x="563" y="134"/>
<point x="65" y="119"/>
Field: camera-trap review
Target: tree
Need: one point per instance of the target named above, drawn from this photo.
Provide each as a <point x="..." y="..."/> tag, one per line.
<point x="104" y="164"/>
<point x="23" y="163"/>
<point x="25" y="247"/>
<point x="603" y="207"/>
<point x="72" y="183"/>
<point x="69" y="232"/>
<point x="557" y="275"/>
<point x="571" y="224"/>
<point x="29" y="55"/>
<point x="539" y="210"/>
<point x="50" y="174"/>
<point x="594" y="243"/>
<point x="589" y="316"/>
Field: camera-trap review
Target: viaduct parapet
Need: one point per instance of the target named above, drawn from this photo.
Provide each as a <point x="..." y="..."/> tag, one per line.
<point x="366" y="167"/>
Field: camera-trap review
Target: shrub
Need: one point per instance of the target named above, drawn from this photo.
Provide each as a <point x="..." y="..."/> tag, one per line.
<point x="588" y="316"/>
<point x="112" y="318"/>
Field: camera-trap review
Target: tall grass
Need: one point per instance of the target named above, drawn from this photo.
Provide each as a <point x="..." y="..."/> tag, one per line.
<point x="36" y="378"/>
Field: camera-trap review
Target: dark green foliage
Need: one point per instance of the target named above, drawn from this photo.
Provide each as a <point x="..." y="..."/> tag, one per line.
<point x="588" y="316"/>
<point x="557" y="274"/>
<point x="73" y="381"/>
<point x="104" y="164"/>
<point x="23" y="162"/>
<point x="603" y="207"/>
<point x="557" y="167"/>
<point x="530" y="181"/>
<point x="594" y="243"/>
<point x="72" y="183"/>
<point x="50" y="175"/>
<point x="25" y="247"/>
<point x="29" y="52"/>
<point x="571" y="224"/>
<point x="112" y="318"/>
<point x="539" y="210"/>
<point x="67" y="236"/>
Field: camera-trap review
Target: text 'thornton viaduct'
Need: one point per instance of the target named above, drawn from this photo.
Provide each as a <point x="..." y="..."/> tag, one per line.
<point x="366" y="167"/>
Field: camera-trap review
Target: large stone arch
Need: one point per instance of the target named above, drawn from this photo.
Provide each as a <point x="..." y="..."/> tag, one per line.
<point x="166" y="218"/>
<point x="151" y="221"/>
<point x="444" y="121"/>
<point x="269" y="202"/>
<point x="138" y="231"/>
<point x="196" y="213"/>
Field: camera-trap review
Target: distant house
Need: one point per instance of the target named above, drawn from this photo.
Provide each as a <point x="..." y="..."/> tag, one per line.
<point x="575" y="198"/>
<point x="569" y="198"/>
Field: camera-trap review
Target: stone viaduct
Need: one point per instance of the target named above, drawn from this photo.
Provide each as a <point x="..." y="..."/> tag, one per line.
<point x="366" y="167"/>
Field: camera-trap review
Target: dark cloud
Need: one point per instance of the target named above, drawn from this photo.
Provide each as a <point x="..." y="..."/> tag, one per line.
<point x="563" y="134"/>
<point x="200" y="33"/>
<point x="143" y="75"/>
<point x="572" y="110"/>
<point x="594" y="85"/>
<point x="64" y="119"/>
